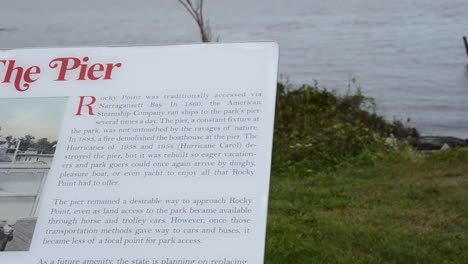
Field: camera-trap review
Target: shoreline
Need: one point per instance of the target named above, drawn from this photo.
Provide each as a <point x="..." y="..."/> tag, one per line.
<point x="429" y="143"/>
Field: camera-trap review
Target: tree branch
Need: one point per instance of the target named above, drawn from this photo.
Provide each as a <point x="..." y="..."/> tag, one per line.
<point x="195" y="9"/>
<point x="193" y="14"/>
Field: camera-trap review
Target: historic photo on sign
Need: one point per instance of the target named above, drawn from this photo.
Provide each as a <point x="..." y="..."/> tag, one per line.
<point x="29" y="130"/>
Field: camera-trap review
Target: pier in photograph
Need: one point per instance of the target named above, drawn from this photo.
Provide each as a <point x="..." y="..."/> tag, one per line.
<point x="21" y="185"/>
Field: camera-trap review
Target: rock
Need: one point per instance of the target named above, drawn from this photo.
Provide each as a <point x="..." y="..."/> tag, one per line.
<point x="436" y="143"/>
<point x="445" y="147"/>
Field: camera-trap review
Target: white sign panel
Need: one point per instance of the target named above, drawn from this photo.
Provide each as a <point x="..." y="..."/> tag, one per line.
<point x="136" y="155"/>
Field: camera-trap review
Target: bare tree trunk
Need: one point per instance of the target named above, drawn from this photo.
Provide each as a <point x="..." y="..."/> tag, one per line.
<point x="195" y="9"/>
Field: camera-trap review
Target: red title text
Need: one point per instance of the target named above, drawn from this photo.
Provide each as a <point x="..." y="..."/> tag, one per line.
<point x="64" y="69"/>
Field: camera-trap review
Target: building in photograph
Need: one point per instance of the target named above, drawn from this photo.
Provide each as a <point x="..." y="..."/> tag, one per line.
<point x="9" y="152"/>
<point x="33" y="156"/>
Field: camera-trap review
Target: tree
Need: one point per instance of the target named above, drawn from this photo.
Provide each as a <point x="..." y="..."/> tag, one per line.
<point x="27" y="142"/>
<point x="195" y="9"/>
<point x="9" y="138"/>
<point x="43" y="145"/>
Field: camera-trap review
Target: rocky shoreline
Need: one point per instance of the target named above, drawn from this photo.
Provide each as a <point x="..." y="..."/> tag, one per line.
<point x="425" y="143"/>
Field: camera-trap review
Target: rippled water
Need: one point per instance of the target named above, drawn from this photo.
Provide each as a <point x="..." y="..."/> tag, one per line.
<point x="409" y="55"/>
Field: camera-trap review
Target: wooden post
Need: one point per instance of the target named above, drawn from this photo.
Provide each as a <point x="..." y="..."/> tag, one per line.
<point x="466" y="45"/>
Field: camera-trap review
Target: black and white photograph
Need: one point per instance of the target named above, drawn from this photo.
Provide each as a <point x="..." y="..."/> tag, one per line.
<point x="29" y="130"/>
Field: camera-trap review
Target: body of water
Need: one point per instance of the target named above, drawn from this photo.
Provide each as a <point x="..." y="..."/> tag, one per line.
<point x="409" y="55"/>
<point x="19" y="189"/>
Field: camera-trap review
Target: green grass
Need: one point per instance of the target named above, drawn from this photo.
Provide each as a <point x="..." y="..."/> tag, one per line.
<point x="340" y="193"/>
<point x="376" y="207"/>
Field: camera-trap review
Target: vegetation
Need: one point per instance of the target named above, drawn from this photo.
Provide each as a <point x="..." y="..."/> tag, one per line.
<point x="342" y="193"/>
<point x="195" y="9"/>
<point x="315" y="124"/>
<point x="29" y="142"/>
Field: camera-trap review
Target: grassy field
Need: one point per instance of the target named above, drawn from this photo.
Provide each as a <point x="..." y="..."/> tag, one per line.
<point x="375" y="207"/>
<point x="341" y="192"/>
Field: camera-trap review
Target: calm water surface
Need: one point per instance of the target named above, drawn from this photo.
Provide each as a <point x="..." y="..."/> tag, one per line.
<point x="17" y="192"/>
<point x="407" y="54"/>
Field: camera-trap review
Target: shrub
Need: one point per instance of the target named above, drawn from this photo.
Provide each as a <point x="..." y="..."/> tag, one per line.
<point x="321" y="126"/>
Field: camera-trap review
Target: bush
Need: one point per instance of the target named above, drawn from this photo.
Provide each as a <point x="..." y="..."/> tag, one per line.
<point x="321" y="126"/>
